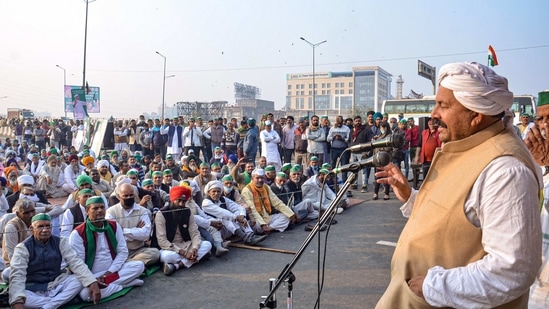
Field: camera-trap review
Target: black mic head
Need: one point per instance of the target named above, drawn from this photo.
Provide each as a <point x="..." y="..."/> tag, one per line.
<point x="381" y="158"/>
<point x="398" y="141"/>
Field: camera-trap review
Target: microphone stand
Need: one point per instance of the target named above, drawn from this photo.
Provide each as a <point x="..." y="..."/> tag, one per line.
<point x="286" y="275"/>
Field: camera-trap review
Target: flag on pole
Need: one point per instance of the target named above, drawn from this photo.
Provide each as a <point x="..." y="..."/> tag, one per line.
<point x="88" y="90"/>
<point x="492" y="58"/>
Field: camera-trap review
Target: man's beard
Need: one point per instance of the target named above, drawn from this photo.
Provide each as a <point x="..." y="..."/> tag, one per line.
<point x="75" y="169"/>
<point x="13" y="182"/>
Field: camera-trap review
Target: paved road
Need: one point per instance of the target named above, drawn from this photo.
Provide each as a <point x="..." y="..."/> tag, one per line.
<point x="357" y="269"/>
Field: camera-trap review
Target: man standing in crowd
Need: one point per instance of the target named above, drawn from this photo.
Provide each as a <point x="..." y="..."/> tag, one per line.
<point x="316" y="140"/>
<point x="300" y="138"/>
<point x="251" y="141"/>
<point x="288" y="139"/>
<point x="269" y="142"/>
<point x="429" y="144"/>
<point x="473" y="238"/>
<point x="192" y="135"/>
<point x="175" y="139"/>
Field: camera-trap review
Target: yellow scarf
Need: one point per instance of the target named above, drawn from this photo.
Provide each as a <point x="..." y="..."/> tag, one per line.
<point x="261" y="195"/>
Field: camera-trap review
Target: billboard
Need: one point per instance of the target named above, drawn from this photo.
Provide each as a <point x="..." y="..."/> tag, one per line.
<point x="92" y="100"/>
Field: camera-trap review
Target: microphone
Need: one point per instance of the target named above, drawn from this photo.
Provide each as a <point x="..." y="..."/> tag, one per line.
<point x="392" y="141"/>
<point x="379" y="159"/>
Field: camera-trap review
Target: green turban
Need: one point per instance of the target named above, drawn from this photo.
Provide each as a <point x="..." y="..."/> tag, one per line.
<point x="270" y="168"/>
<point x="156" y="173"/>
<point x="95" y="200"/>
<point x="167" y="172"/>
<point x="286" y="166"/>
<point x="85" y="191"/>
<point x="83" y="179"/>
<point x="227" y="178"/>
<point x="543" y="98"/>
<point x="146" y="182"/>
<point x="324" y="171"/>
<point x="295" y="169"/>
<point x="280" y="175"/>
<point x="42" y="216"/>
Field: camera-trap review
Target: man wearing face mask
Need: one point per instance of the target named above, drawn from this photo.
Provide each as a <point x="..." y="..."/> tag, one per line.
<point x="136" y="225"/>
<point x="232" y="215"/>
<point x="313" y="167"/>
<point x="22" y="182"/>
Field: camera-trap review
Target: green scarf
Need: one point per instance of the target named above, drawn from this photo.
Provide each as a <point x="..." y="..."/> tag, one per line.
<point x="247" y="177"/>
<point x="91" y="232"/>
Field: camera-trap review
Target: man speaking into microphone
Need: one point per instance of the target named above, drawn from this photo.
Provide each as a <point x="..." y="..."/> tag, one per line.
<point x="473" y="237"/>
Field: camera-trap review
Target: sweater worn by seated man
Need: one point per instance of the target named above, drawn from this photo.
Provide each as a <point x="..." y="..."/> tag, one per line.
<point x="38" y="278"/>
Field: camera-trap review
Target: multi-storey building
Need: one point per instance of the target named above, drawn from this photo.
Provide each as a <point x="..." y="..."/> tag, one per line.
<point x="338" y="93"/>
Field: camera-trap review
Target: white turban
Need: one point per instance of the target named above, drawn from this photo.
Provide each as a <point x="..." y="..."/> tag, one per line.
<point x="25" y="180"/>
<point x="477" y="87"/>
<point x="258" y="172"/>
<point x="102" y="163"/>
<point x="213" y="184"/>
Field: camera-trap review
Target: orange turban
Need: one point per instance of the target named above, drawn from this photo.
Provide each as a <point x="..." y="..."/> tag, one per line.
<point x="180" y="191"/>
<point x="87" y="160"/>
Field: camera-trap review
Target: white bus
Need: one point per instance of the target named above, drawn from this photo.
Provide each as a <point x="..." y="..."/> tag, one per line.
<point x="417" y="108"/>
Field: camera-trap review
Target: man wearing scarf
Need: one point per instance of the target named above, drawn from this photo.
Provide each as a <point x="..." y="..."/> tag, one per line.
<point x="473" y="234"/>
<point x="11" y="174"/>
<point x="37" y="279"/>
<point x="269" y="211"/>
<point x="177" y="233"/>
<point x="232" y="215"/>
<point x="22" y="182"/>
<point x="101" y="245"/>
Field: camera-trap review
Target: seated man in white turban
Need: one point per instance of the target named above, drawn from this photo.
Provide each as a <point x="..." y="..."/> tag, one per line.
<point x="106" y="171"/>
<point x="232" y="215"/>
<point x="269" y="211"/>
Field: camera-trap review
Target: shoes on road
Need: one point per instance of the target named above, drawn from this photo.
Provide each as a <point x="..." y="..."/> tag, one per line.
<point x="386" y="197"/>
<point x="374" y="197"/>
<point x="364" y="189"/>
<point x="255" y="239"/>
<point x="168" y="269"/>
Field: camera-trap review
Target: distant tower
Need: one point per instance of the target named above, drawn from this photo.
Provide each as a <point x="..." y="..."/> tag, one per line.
<point x="400" y="81"/>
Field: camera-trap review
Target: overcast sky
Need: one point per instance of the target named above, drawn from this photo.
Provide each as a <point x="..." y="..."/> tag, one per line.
<point x="210" y="45"/>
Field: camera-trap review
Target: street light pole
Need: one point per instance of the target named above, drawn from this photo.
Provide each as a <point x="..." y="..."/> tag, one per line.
<point x="64" y="84"/>
<point x="163" y="84"/>
<point x="313" y="45"/>
<point x="85" y="45"/>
